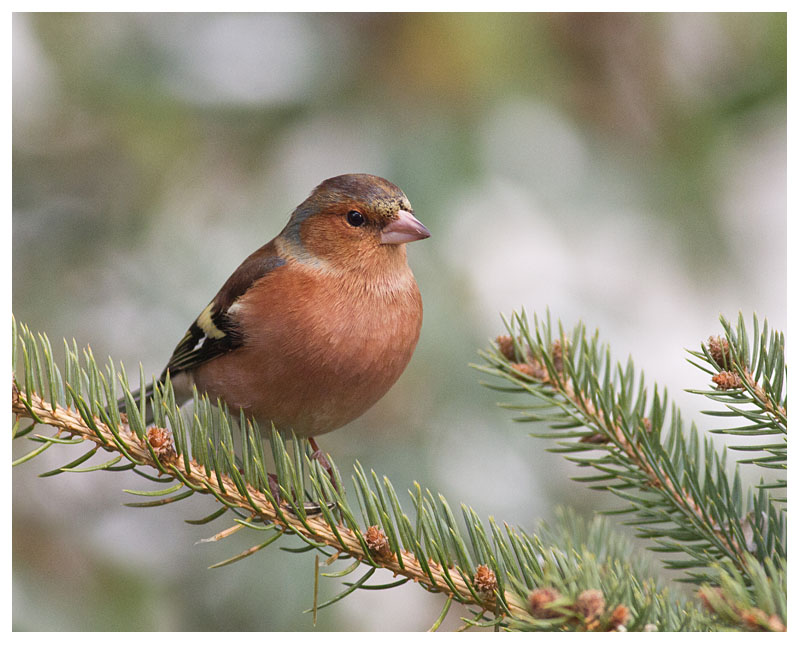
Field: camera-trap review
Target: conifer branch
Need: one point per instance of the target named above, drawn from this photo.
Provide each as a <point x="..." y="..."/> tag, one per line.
<point x="750" y="385"/>
<point x="759" y="606"/>
<point x="680" y="493"/>
<point x="256" y="504"/>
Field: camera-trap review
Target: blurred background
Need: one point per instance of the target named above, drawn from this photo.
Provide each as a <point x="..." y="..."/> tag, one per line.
<point x="627" y="170"/>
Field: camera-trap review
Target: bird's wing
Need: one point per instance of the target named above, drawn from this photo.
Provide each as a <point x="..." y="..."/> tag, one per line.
<point x="216" y="331"/>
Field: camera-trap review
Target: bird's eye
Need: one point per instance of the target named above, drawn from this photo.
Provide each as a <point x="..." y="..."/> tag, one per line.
<point x="354" y="218"/>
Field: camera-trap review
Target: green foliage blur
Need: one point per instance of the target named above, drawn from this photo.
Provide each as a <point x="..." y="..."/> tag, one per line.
<point x="628" y="170"/>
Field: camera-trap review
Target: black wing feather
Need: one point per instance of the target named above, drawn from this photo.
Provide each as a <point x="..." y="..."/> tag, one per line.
<point x="197" y="347"/>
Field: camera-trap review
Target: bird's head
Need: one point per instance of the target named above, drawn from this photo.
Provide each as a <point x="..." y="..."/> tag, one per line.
<point x="351" y="219"/>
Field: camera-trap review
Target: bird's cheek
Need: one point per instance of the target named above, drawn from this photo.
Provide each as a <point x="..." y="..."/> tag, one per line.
<point x="326" y="238"/>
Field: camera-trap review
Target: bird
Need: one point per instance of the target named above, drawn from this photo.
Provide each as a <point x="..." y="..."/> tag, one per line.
<point x="314" y="327"/>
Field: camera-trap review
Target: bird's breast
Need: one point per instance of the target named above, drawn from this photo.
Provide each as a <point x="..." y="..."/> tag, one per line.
<point x="321" y="349"/>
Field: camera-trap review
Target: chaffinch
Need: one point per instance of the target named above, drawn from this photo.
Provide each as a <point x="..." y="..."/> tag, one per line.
<point x="316" y="325"/>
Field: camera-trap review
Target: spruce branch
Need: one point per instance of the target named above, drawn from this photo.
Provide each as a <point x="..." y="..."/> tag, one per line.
<point x="603" y="417"/>
<point x="494" y="572"/>
<point x="750" y="385"/>
<point x="233" y="493"/>
<point x="757" y="606"/>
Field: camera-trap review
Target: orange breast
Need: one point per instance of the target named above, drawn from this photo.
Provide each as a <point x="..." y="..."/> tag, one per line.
<point x="320" y="350"/>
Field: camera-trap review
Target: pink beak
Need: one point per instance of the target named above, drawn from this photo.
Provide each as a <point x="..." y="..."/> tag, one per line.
<point x="406" y="228"/>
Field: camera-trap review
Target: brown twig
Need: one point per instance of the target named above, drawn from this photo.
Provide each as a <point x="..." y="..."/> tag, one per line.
<point x="777" y="412"/>
<point x="254" y="502"/>
<point x="612" y="431"/>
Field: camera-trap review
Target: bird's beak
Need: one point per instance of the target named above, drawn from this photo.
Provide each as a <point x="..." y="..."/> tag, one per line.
<point x="406" y="228"/>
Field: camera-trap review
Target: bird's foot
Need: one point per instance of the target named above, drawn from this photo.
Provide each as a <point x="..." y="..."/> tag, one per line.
<point x="273" y="487"/>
